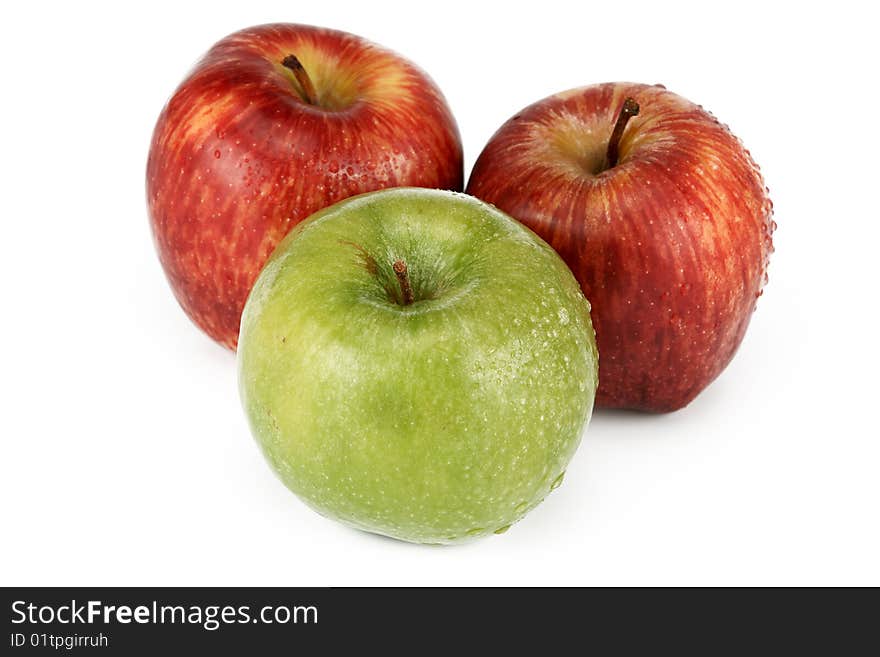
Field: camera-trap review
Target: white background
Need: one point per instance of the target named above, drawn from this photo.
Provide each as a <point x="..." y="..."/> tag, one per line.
<point x="126" y="458"/>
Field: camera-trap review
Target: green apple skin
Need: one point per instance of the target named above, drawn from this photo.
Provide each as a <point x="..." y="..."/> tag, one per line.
<point x="434" y="422"/>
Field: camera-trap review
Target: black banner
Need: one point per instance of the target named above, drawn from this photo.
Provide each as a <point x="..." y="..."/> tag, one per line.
<point x="151" y="621"/>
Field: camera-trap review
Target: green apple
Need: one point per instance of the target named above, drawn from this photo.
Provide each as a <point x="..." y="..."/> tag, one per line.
<point x="417" y="364"/>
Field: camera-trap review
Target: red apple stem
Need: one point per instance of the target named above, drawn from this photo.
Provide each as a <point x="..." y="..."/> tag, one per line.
<point x="305" y="82"/>
<point x="406" y="291"/>
<point x="630" y="109"/>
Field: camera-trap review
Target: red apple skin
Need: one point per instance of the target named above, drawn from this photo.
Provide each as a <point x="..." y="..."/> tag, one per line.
<point x="670" y="246"/>
<point x="238" y="157"/>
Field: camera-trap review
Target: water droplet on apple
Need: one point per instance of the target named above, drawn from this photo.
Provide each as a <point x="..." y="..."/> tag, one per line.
<point x="476" y="531"/>
<point x="334" y="166"/>
<point x="520" y="508"/>
<point x="217" y="153"/>
<point x="557" y="482"/>
<point x="501" y="530"/>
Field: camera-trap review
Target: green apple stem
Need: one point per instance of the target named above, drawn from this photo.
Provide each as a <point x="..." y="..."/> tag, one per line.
<point x="305" y="82"/>
<point x="630" y="109"/>
<point x="400" y="271"/>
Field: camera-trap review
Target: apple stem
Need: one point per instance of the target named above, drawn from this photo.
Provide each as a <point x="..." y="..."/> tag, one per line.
<point x="400" y="271"/>
<point x="305" y="82"/>
<point x="630" y="109"/>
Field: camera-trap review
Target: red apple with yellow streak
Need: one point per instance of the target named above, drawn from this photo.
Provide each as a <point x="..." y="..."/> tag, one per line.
<point x="274" y="123"/>
<point x="663" y="218"/>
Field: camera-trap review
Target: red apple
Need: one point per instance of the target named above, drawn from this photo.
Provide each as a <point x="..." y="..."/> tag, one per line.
<point x="274" y="123"/>
<point x="666" y="224"/>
